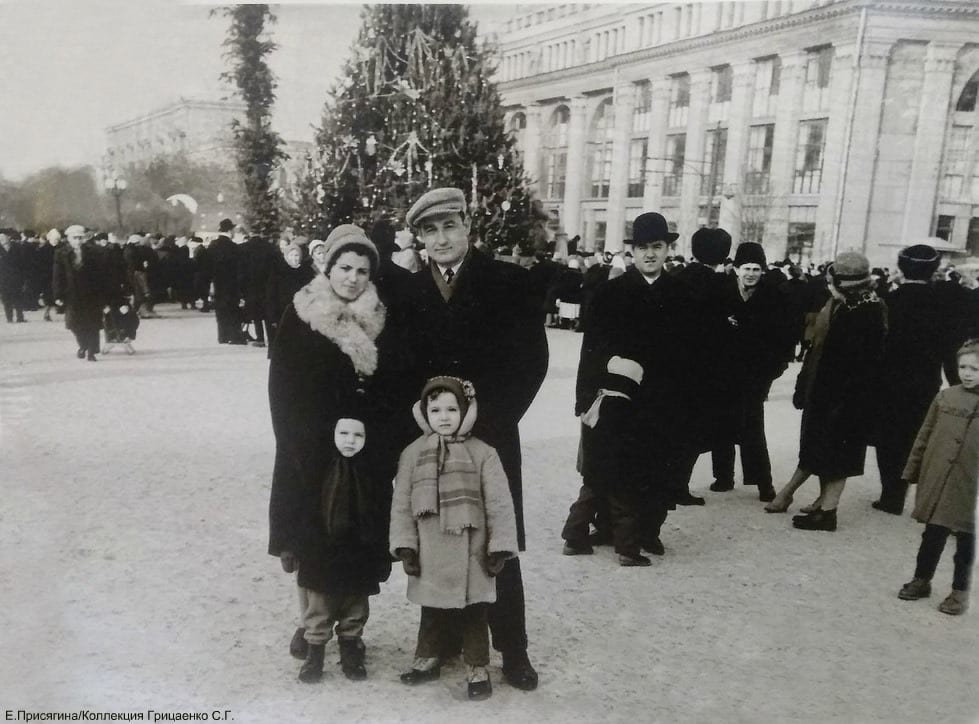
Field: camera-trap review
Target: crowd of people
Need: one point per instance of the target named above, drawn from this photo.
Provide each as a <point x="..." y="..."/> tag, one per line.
<point x="372" y="341"/>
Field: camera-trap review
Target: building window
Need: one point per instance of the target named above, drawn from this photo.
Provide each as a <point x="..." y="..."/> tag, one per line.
<point x="679" y="100"/>
<point x="954" y="163"/>
<point x="972" y="238"/>
<point x="819" y="63"/>
<point x="518" y="125"/>
<point x="720" y="84"/>
<point x="761" y="139"/>
<point x="644" y="103"/>
<point x="944" y="226"/>
<point x="753" y="230"/>
<point x="765" y="97"/>
<point x="600" y="149"/>
<point x="809" y="157"/>
<point x="967" y="98"/>
<point x="715" y="147"/>
<point x="599" y="241"/>
<point x="712" y="219"/>
<point x="676" y="146"/>
<point x="638" y="151"/>
<point x="800" y="241"/>
<point x="555" y="154"/>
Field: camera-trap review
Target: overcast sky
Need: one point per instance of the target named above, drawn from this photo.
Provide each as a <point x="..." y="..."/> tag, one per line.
<point x="69" y="69"/>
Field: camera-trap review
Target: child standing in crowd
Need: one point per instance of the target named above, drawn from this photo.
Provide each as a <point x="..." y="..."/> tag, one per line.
<point x="944" y="462"/>
<point x="341" y="551"/>
<point x="453" y="527"/>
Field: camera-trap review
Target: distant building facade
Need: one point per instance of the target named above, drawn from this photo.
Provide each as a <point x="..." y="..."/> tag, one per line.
<point x="806" y="125"/>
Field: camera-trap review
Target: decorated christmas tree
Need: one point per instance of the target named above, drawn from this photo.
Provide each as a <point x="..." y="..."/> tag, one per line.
<point x="415" y="108"/>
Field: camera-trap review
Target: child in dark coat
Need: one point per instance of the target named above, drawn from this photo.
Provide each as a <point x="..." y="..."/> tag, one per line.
<point x="944" y="463"/>
<point x="607" y="465"/>
<point x="342" y="557"/>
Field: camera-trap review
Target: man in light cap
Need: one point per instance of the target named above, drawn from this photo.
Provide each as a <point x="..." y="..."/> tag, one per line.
<point x="79" y="281"/>
<point x="469" y="316"/>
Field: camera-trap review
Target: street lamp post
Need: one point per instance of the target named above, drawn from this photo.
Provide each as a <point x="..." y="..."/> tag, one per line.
<point x="116" y="186"/>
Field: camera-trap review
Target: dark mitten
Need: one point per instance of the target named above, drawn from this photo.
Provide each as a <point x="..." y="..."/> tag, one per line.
<point x="288" y="561"/>
<point x="495" y="562"/>
<point x="409" y="560"/>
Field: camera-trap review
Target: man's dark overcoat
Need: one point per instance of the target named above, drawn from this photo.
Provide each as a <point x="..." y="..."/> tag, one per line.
<point x="82" y="287"/>
<point x="647" y="323"/>
<point x="489" y="332"/>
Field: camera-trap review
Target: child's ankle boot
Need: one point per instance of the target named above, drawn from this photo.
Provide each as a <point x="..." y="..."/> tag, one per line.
<point x="352" y="659"/>
<point x="915" y="589"/>
<point x="312" y="668"/>
<point x="478" y="683"/>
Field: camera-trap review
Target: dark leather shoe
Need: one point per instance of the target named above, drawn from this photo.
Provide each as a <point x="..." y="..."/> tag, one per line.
<point x="518" y="672"/>
<point x="577" y="548"/>
<point x="298" y="648"/>
<point x="689" y="499"/>
<point x="887" y="507"/>
<point x="418" y="675"/>
<point x="478" y="684"/>
<point x="721" y="487"/>
<point x="817" y="520"/>
<point x="91" y="357"/>
<point x="766" y="493"/>
<point x="80" y="354"/>
<point x="654" y="546"/>
<point x="634" y="559"/>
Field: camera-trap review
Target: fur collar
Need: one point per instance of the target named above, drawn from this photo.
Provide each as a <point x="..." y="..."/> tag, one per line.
<point x="351" y="326"/>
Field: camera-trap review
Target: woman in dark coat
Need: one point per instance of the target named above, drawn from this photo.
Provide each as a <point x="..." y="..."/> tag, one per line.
<point x="80" y="282"/>
<point x="325" y="361"/>
<point x="835" y="391"/>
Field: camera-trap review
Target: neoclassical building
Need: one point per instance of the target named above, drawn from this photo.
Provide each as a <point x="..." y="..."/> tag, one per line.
<point x="806" y="125"/>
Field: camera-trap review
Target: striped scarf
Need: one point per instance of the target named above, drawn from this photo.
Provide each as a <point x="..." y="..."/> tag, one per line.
<point x="445" y="482"/>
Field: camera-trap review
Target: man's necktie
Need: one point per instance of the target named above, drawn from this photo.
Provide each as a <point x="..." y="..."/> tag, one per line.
<point x="449" y="274"/>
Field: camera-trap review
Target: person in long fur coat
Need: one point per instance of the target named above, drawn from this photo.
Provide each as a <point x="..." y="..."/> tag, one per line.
<point x="453" y="526"/>
<point x="326" y="359"/>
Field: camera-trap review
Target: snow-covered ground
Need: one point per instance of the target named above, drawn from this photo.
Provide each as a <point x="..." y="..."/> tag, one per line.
<point x="134" y="575"/>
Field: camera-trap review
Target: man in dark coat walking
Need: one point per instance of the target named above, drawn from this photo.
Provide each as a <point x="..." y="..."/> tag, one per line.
<point x="222" y="260"/>
<point x="469" y="316"/>
<point x="12" y="276"/>
<point x="80" y="282"/>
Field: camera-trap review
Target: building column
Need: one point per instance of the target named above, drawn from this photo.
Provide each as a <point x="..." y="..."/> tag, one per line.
<point x="625" y="101"/>
<point x="738" y="125"/>
<point x="936" y="95"/>
<point x="656" y="163"/>
<point x="693" y="167"/>
<point x="531" y="147"/>
<point x="847" y="226"/>
<point x="575" y="172"/>
<point x="791" y="84"/>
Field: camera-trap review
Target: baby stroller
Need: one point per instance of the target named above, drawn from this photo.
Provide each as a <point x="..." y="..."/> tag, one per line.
<point x="119" y="322"/>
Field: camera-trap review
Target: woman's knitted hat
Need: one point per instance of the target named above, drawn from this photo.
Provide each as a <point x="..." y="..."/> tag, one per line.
<point x="350" y="234"/>
<point x="918" y="262"/>
<point x="314" y="245"/>
<point x="851" y="270"/>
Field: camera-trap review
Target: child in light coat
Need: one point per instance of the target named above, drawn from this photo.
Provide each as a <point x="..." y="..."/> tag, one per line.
<point x="453" y="527"/>
<point x="944" y="463"/>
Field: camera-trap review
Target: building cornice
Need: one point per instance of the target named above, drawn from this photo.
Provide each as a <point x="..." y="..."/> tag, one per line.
<point x="760" y="28"/>
<point x="175" y="106"/>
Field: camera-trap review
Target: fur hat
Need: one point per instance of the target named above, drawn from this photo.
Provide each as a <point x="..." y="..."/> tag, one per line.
<point x="651" y="227"/>
<point x="918" y="262"/>
<point x="750" y="252"/>
<point x="349" y="234"/>
<point x="711" y="246"/>
<point x="850" y="270"/>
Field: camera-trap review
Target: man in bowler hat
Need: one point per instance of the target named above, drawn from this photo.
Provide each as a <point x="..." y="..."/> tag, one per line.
<point x="469" y="316"/>
<point x="223" y="259"/>
<point x="641" y="316"/>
